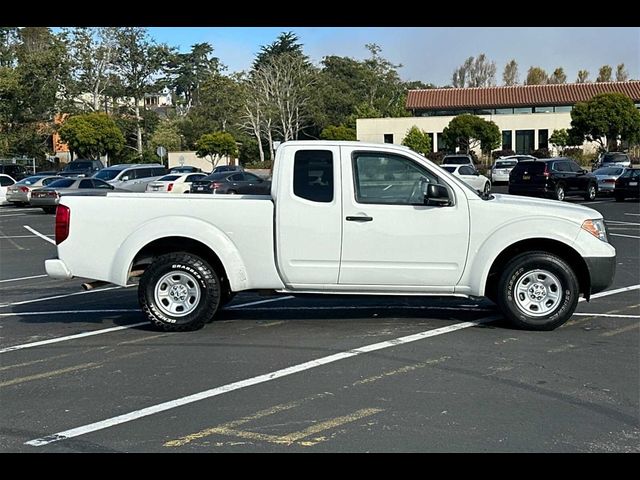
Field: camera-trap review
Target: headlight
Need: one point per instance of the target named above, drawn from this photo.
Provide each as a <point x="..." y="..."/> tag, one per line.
<point x="596" y="228"/>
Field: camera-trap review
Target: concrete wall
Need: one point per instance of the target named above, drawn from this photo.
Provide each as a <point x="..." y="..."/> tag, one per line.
<point x="374" y="129"/>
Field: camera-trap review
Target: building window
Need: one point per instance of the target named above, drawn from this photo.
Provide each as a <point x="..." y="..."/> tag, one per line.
<point x="483" y="111"/>
<point x="442" y="146"/>
<point x="524" y="141"/>
<point x="388" y="138"/>
<point x="506" y="140"/>
<point x="523" y="110"/>
<point x="543" y="138"/>
<point x="504" y="111"/>
<point x="431" y="135"/>
<point x="562" y="108"/>
<point x="543" y="110"/>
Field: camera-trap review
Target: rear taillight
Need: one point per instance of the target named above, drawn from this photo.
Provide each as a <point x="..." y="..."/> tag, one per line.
<point x="24" y="189"/>
<point x="170" y="187"/>
<point x="215" y="185"/>
<point x="63" y="216"/>
<point x="546" y="171"/>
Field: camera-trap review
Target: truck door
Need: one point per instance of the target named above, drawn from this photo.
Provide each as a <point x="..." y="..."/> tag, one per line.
<point x="309" y="216"/>
<point x="390" y="237"/>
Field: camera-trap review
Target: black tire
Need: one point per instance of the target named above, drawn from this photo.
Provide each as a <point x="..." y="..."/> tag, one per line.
<point x="487" y="188"/>
<point x="544" y="267"/>
<point x="560" y="193"/>
<point x="201" y="287"/>
<point x="592" y="191"/>
<point x="618" y="197"/>
<point x="49" y="209"/>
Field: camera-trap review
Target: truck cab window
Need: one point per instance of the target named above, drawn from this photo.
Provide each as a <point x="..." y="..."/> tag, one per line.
<point x="389" y="179"/>
<point x="313" y="175"/>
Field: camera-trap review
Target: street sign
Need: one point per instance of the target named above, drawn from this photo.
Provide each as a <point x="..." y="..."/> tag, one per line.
<point x="161" y="151"/>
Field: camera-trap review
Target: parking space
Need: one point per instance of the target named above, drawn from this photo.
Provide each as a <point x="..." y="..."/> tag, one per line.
<point x="82" y="371"/>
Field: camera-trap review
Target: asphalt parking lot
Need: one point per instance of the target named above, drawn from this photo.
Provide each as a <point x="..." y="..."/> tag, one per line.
<point x="83" y="372"/>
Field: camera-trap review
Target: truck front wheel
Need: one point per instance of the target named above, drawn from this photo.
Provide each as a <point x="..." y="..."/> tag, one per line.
<point x="537" y="291"/>
<point x="179" y="291"/>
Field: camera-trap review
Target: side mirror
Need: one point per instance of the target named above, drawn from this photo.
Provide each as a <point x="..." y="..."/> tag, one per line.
<point x="436" y="195"/>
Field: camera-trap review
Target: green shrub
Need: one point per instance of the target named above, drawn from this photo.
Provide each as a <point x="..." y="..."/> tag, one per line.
<point x="266" y="165"/>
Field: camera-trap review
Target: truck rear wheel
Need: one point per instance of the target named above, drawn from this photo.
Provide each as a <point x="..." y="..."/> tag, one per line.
<point x="179" y="291"/>
<point x="537" y="291"/>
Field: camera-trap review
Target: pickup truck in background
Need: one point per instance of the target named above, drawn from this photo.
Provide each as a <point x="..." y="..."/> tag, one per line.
<point x="342" y="218"/>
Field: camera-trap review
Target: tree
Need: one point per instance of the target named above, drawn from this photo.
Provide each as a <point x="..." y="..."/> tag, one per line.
<point x="286" y="43"/>
<point x="583" y="75"/>
<point x="338" y="132"/>
<point x="604" y="74"/>
<point x="606" y="119"/>
<point x="558" y="76"/>
<point x="536" y="76"/>
<point x="91" y="135"/>
<point x="475" y="72"/>
<point x="622" y="75"/>
<point x="468" y="131"/>
<point x="214" y="146"/>
<point x="417" y="140"/>
<point x="91" y="57"/>
<point x="510" y="74"/>
<point x="166" y="135"/>
<point x="559" y="139"/>
<point x="137" y="60"/>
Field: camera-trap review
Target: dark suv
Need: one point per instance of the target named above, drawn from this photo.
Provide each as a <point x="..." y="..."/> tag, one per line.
<point x="81" y="168"/>
<point x="552" y="177"/>
<point x="15" y="171"/>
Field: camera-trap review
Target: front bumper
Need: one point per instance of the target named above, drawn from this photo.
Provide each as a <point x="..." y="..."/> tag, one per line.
<point x="56" y="268"/>
<point x="601" y="272"/>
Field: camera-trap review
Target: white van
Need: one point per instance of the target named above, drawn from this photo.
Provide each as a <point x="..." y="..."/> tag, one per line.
<point x="130" y="176"/>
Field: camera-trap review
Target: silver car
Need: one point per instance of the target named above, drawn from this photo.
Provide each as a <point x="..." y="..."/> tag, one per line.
<point x="48" y="197"/>
<point x="20" y="193"/>
<point x="607" y="177"/>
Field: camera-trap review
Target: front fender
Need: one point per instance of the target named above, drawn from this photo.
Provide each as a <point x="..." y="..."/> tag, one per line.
<point x="176" y="226"/>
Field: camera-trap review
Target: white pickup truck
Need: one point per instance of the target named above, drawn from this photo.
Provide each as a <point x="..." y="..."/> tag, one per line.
<point x="342" y="218"/>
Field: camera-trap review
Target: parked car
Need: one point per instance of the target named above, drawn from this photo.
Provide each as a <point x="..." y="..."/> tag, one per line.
<point x="20" y="193"/>
<point x="228" y="168"/>
<point x="185" y="169"/>
<point x="48" y="197"/>
<point x="471" y="177"/>
<point x="628" y="185"/>
<point x="175" y="183"/>
<point x="232" y="183"/>
<point x="607" y="177"/>
<point x="81" y="168"/>
<point x="15" y="171"/>
<point x="609" y="159"/>
<point x="458" y="159"/>
<point x="501" y="168"/>
<point x="132" y="177"/>
<point x="552" y="177"/>
<point x="5" y="182"/>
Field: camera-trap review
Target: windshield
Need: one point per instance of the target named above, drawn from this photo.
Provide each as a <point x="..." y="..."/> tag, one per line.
<point x="506" y="164"/>
<point x="456" y="161"/>
<point x="77" y="166"/>
<point x="107" y="174"/>
<point x="65" y="183"/>
<point x="29" y="180"/>
<point x="169" y="178"/>
<point x="608" y="171"/>
<point x="449" y="169"/>
<point x="614" y="157"/>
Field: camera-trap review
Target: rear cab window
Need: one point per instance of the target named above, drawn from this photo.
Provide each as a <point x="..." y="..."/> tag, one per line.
<point x="313" y="175"/>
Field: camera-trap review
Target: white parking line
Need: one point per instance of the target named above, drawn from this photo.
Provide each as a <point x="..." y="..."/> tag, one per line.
<point x="612" y="292"/>
<point x="23" y="236"/>
<point x="25" y="302"/>
<point x="617" y="222"/>
<point x="60" y="312"/>
<point x="611" y="315"/>
<point x="70" y="337"/>
<point x="259" y="302"/>
<point x="13" y="215"/>
<point x="145" y="412"/>
<point x="633" y="214"/>
<point x="42" y="236"/>
<point x="21" y="278"/>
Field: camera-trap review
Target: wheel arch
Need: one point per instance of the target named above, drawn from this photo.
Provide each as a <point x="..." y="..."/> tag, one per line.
<point x="555" y="247"/>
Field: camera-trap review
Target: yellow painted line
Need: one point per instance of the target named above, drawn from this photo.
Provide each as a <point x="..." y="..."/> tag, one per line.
<point x="620" y="330"/>
<point x="50" y="374"/>
<point x="406" y="369"/>
<point x="328" y="425"/>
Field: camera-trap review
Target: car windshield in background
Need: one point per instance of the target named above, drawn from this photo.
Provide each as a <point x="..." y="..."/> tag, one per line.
<point x="614" y="157"/>
<point x="168" y="178"/>
<point x="608" y="171"/>
<point x="449" y="169"/>
<point x="107" y="174"/>
<point x="457" y="160"/>
<point x="78" y="166"/>
<point x="64" y="183"/>
<point x="506" y="164"/>
<point x="28" y="180"/>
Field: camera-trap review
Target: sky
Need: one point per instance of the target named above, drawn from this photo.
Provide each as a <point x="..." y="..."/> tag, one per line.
<point x="431" y="54"/>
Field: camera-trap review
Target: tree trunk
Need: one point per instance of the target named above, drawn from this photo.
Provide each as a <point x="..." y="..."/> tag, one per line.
<point x="138" y="129"/>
